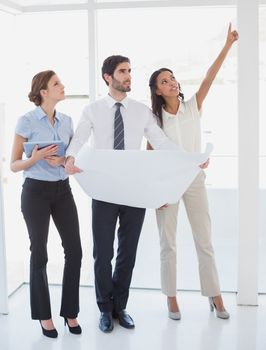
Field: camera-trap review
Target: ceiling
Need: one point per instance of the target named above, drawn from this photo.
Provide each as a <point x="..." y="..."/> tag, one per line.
<point x="19" y="6"/>
<point x="28" y="5"/>
<point x="23" y="3"/>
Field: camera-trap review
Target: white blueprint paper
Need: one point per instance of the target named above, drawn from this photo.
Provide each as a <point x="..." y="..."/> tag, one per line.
<point x="144" y="179"/>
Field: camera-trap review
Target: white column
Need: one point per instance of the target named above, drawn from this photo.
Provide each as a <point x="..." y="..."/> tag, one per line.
<point x="3" y="274"/>
<point x="92" y="50"/>
<point x="248" y="111"/>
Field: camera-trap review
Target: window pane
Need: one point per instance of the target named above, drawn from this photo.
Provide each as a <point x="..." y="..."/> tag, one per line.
<point x="169" y="41"/>
<point x="15" y="257"/>
<point x="60" y="44"/>
<point x="43" y="41"/>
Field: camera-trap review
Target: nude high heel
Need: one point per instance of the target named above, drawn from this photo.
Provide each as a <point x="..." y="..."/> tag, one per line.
<point x="220" y="314"/>
<point x="173" y="315"/>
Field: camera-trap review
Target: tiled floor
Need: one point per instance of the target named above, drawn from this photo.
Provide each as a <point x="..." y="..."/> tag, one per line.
<point x="198" y="330"/>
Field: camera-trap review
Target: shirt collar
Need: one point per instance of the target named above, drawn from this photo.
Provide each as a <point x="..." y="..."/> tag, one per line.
<point x="111" y="101"/>
<point x="166" y="115"/>
<point x="41" y="114"/>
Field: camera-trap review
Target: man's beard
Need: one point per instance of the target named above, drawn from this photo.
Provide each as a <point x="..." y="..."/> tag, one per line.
<point x="118" y="86"/>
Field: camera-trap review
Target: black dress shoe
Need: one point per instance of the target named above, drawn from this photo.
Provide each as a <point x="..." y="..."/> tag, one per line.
<point x="124" y="319"/>
<point x="106" y="322"/>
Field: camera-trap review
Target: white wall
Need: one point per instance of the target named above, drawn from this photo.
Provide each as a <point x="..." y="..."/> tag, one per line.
<point x="3" y="273"/>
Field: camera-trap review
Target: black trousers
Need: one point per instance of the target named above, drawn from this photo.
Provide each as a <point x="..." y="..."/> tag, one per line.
<point x="112" y="289"/>
<point x="41" y="200"/>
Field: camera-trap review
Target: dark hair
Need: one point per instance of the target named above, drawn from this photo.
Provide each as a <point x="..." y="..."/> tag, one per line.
<point x="39" y="82"/>
<point x="110" y="64"/>
<point x="157" y="101"/>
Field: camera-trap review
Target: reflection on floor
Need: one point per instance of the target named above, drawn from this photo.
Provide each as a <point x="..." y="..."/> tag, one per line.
<point x="199" y="329"/>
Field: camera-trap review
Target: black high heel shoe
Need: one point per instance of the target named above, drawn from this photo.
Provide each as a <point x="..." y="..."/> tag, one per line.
<point x="74" y="330"/>
<point x="50" y="333"/>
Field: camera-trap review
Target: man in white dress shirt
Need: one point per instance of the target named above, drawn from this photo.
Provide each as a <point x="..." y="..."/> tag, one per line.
<point x="98" y="119"/>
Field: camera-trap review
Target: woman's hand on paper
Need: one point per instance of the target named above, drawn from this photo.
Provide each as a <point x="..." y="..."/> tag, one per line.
<point x="205" y="165"/>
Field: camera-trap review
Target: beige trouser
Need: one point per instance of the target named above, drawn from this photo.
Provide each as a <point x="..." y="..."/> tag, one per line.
<point x="196" y="204"/>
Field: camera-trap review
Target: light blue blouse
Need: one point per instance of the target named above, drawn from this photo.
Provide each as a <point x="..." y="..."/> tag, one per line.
<point x="35" y="126"/>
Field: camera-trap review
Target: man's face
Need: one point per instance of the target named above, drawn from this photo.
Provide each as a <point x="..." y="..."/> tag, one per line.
<point x="121" y="78"/>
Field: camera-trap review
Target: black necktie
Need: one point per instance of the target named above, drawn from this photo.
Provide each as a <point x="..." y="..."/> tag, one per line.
<point x="119" y="142"/>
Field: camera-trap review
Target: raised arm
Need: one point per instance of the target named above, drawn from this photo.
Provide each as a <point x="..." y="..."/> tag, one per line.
<point x="232" y="36"/>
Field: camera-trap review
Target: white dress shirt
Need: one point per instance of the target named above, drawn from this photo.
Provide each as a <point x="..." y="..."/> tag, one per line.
<point x="97" y="120"/>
